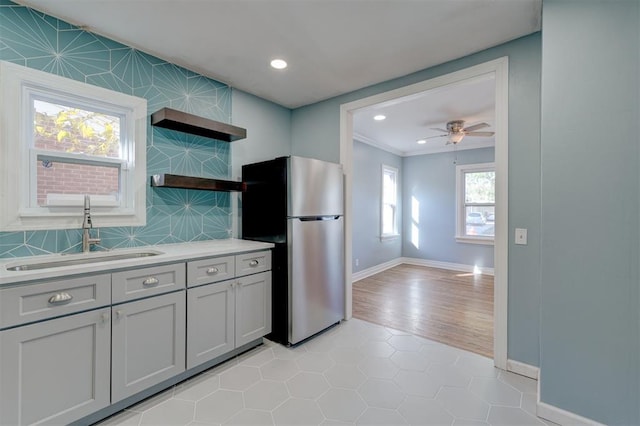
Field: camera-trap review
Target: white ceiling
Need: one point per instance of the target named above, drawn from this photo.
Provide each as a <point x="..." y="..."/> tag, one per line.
<point x="332" y="47"/>
<point x="414" y="117"/>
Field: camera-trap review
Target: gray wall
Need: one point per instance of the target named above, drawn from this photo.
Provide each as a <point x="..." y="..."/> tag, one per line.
<point x="431" y="180"/>
<point x="367" y="189"/>
<point x="268" y="136"/>
<point x="590" y="193"/>
<point x="268" y="130"/>
<point x="315" y="132"/>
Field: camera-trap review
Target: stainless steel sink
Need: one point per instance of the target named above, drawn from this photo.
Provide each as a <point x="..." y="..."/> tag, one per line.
<point x="80" y="260"/>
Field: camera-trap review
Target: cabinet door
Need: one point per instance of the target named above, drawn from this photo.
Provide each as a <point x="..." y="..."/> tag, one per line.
<point x="148" y="341"/>
<point x="253" y="307"/>
<point x="55" y="371"/>
<point x="210" y="322"/>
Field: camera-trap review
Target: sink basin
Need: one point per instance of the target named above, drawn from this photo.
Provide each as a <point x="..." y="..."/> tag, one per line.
<point x="80" y="260"/>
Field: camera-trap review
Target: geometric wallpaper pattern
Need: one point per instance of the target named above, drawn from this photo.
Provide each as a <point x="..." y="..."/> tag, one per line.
<point x="40" y="41"/>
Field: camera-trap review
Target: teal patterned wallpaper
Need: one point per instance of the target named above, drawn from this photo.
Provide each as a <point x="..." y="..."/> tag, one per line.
<point x="43" y="42"/>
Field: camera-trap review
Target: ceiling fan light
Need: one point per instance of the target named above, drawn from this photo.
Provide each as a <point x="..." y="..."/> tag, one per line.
<point x="456" y="137"/>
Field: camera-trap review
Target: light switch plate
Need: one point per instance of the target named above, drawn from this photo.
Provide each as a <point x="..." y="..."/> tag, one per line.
<point x="521" y="236"/>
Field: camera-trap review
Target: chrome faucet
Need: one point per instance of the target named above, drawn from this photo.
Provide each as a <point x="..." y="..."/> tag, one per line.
<point x="87" y="241"/>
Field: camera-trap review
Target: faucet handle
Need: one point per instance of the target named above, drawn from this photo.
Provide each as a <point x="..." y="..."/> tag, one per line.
<point x="87" y="202"/>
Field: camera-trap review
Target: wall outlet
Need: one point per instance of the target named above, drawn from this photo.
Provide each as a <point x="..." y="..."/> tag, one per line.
<point x="521" y="236"/>
<point x="357" y="262"/>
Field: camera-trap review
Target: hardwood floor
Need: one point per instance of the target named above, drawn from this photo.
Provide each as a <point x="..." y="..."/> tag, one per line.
<point x="451" y="307"/>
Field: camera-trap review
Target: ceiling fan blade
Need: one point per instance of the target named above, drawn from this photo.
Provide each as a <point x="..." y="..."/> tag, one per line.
<point x="479" y="133"/>
<point x="476" y="127"/>
<point x="440" y="130"/>
<point x="437" y="136"/>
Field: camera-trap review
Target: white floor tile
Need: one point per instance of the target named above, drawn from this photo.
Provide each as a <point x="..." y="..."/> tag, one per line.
<point x="266" y="395"/>
<point x="239" y="378"/>
<point x="345" y="376"/>
<point x="508" y="416"/>
<point x="170" y="412"/>
<point x="356" y="373"/>
<point x="219" y="407"/>
<point x="315" y="362"/>
<point x="495" y="392"/>
<point x="423" y="411"/>
<point x="298" y="412"/>
<point x="417" y="383"/>
<point x="197" y="388"/>
<point x="463" y="404"/>
<point x="381" y="393"/>
<point x="380" y="416"/>
<point x="341" y="404"/>
<point x="251" y="417"/>
<point x="307" y="385"/>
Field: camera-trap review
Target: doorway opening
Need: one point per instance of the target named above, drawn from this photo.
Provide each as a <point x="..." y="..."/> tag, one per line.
<point x="498" y="70"/>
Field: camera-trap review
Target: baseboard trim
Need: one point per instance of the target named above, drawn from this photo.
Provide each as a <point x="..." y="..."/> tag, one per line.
<point x="360" y="275"/>
<point x="445" y="265"/>
<point x="523" y="369"/>
<point x="560" y="416"/>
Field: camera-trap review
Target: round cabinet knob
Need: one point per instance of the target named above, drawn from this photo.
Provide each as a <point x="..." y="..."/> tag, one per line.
<point x="254" y="263"/>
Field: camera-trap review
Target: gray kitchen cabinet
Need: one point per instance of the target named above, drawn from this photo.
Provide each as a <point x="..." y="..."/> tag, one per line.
<point x="77" y="349"/>
<point x="210" y="319"/>
<point x="147" y="343"/>
<point x="253" y="307"/>
<point x="224" y="315"/>
<point x="55" y="371"/>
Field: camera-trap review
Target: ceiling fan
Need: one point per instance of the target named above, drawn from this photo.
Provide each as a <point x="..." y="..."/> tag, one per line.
<point x="456" y="131"/>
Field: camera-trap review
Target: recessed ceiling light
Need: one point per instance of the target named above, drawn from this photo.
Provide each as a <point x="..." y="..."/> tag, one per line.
<point x="379" y="117"/>
<point x="279" y="64"/>
<point x="421" y="141"/>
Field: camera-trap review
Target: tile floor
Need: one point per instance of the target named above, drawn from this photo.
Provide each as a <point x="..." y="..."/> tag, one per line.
<point x="356" y="373"/>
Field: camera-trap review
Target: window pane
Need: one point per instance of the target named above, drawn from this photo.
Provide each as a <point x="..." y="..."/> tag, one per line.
<point x="65" y="128"/>
<point x="389" y="187"/>
<point x="480" y="187"/>
<point x="55" y="178"/>
<point x="388" y="219"/>
<point x="480" y="221"/>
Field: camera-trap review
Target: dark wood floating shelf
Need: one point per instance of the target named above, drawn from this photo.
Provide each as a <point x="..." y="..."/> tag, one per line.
<point x="195" y="125"/>
<point x="188" y="182"/>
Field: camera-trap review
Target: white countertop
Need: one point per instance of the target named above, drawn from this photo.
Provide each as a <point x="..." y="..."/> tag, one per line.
<point x="168" y="253"/>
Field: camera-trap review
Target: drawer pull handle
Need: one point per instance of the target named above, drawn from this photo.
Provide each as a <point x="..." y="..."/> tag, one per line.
<point x="254" y="263"/>
<point x="212" y="271"/>
<point x="60" y="298"/>
<point x="151" y="281"/>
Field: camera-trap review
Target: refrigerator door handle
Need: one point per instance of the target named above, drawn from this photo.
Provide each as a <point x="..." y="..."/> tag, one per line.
<point x="314" y="218"/>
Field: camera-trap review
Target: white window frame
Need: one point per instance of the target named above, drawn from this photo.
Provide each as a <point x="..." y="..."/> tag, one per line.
<point x="461" y="203"/>
<point x="395" y="233"/>
<point x="19" y="211"/>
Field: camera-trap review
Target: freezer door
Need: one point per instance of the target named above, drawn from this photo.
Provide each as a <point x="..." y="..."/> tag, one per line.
<point x="314" y="188"/>
<point x="316" y="275"/>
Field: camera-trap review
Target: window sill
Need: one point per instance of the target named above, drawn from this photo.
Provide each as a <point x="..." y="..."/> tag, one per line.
<point x="487" y="241"/>
<point x="389" y="237"/>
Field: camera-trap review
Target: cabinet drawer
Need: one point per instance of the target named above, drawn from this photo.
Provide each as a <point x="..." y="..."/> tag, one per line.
<point x="130" y="285"/>
<point x="252" y="263"/>
<point x="19" y="305"/>
<point x="210" y="270"/>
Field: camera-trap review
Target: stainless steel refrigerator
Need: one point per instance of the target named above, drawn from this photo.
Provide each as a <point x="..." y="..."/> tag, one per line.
<point x="297" y="204"/>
